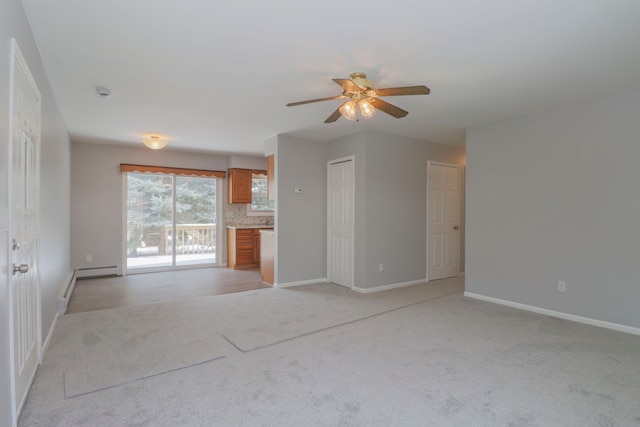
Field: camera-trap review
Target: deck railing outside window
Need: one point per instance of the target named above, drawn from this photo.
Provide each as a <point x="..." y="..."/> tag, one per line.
<point x="190" y="238"/>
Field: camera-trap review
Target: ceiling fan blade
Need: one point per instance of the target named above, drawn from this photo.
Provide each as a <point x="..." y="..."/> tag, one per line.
<point x="348" y="85"/>
<point x="390" y="109"/>
<point x="335" y="116"/>
<point x="293" y="104"/>
<point x="407" y="90"/>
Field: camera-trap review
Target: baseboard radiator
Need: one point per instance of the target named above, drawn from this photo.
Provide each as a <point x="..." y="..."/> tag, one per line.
<point x="90" y="272"/>
<point x="63" y="301"/>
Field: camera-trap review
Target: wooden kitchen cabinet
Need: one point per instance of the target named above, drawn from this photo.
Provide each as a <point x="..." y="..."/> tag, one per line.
<point x="243" y="247"/>
<point x="271" y="183"/>
<point x="239" y="183"/>
<point x="256" y="245"/>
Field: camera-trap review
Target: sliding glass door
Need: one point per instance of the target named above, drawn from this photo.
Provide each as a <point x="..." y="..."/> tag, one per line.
<point x="194" y="235"/>
<point x="171" y="221"/>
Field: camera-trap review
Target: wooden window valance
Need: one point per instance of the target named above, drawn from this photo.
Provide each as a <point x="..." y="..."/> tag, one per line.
<point x="176" y="171"/>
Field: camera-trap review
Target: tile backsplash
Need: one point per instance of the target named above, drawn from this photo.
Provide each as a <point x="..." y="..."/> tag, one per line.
<point x="236" y="214"/>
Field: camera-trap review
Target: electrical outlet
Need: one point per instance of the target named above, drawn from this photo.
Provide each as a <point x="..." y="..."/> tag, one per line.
<point x="562" y="286"/>
<point x="381" y="267"/>
<point x="89" y="258"/>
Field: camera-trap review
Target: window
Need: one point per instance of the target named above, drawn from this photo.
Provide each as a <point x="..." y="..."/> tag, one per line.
<point x="260" y="203"/>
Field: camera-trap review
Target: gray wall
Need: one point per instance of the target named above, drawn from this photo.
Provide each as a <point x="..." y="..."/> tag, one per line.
<point x="55" y="211"/>
<point x="54" y="207"/>
<point x="391" y="191"/>
<point x="97" y="195"/>
<point x="552" y="197"/>
<point x="390" y="206"/>
<point x="301" y="222"/>
<point x="397" y="206"/>
<point x="247" y="162"/>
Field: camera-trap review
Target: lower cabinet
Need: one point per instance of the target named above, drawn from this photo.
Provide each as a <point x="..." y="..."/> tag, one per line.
<point x="243" y="248"/>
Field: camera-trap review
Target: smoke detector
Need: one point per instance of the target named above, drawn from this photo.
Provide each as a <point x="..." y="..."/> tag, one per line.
<point x="103" y="92"/>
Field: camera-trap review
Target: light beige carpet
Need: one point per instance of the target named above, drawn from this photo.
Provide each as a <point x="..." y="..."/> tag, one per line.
<point x="295" y="312"/>
<point x="107" y="348"/>
<point x="449" y="361"/>
<point x="103" y="349"/>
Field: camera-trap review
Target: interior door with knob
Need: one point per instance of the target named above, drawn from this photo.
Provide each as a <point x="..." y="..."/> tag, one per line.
<point x="23" y="228"/>
<point x="442" y="221"/>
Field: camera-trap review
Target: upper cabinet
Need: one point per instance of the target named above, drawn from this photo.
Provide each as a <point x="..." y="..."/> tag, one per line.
<point x="271" y="189"/>
<point x="239" y="182"/>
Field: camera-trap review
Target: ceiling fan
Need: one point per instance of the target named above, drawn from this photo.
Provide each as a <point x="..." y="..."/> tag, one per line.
<point x="360" y="92"/>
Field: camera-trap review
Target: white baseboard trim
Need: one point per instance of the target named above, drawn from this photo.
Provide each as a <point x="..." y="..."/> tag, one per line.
<point x="47" y="341"/>
<point x="388" y="287"/>
<point x="63" y="300"/>
<point x="558" y="314"/>
<point x="300" y="283"/>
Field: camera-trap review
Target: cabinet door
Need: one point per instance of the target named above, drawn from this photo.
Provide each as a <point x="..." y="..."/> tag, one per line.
<point x="271" y="184"/>
<point x="239" y="190"/>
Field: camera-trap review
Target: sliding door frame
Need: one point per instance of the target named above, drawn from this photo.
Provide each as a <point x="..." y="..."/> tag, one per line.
<point x="173" y="267"/>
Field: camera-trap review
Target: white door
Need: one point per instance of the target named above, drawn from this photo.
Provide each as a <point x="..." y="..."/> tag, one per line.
<point x="442" y="221"/>
<point x="340" y="210"/>
<point x="23" y="229"/>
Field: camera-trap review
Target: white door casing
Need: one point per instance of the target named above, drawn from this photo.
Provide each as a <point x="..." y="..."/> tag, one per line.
<point x="443" y="233"/>
<point x="340" y="221"/>
<point x="25" y="328"/>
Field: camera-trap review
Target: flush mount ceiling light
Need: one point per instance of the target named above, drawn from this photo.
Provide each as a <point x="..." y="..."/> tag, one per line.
<point x="154" y="142"/>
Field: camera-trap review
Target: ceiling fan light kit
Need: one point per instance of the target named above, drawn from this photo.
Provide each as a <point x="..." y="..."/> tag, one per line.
<point x="366" y="109"/>
<point x="360" y="92"/>
<point x="349" y="110"/>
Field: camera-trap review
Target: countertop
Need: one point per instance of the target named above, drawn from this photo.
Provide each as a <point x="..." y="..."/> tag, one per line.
<point x="239" y="227"/>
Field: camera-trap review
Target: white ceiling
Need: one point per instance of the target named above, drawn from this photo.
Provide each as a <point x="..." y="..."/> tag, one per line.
<point x="215" y="76"/>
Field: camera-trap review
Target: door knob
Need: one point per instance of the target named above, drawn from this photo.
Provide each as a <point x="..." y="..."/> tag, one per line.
<point x="22" y="268"/>
<point x="455" y="227"/>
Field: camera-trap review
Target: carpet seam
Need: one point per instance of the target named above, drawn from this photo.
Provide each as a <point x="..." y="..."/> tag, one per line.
<point x="134" y="380"/>
<point x="335" y="326"/>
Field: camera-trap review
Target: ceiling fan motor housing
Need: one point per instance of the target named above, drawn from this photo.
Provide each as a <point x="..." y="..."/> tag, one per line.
<point x="361" y="80"/>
